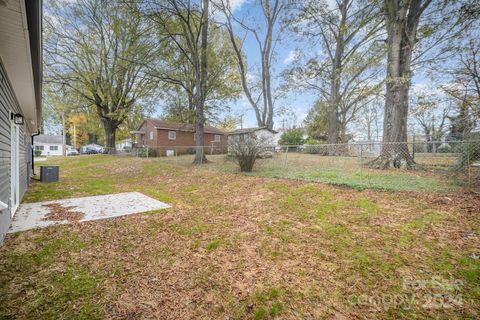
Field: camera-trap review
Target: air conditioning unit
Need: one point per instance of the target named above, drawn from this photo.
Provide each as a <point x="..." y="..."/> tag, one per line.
<point x="49" y="173"/>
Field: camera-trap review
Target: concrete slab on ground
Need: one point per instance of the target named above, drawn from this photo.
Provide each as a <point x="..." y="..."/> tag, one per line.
<point x="46" y="213"/>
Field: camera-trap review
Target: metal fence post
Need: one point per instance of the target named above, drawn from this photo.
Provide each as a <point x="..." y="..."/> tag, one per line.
<point x="468" y="163"/>
<point x="361" y="153"/>
<point x="413" y="147"/>
<point x="286" y="155"/>
<point x="361" y="163"/>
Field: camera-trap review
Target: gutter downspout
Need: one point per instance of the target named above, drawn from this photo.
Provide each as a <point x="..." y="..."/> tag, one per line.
<point x="33" y="152"/>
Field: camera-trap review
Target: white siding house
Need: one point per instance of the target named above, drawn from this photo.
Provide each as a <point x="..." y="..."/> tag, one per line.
<point x="49" y="145"/>
<point x="124" y="144"/>
<point x="263" y="134"/>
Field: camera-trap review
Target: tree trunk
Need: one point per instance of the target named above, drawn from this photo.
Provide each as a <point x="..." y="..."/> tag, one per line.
<point x="268" y="115"/>
<point x="110" y="130"/>
<point x="201" y="88"/>
<point x="333" y="117"/>
<point x="401" y="21"/>
<point x="395" y="151"/>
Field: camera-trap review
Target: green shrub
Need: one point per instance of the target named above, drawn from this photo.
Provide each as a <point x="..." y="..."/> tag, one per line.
<point x="444" y="149"/>
<point x="38" y="153"/>
<point x="143" y="152"/>
<point x="312" y="146"/>
<point x="292" y="137"/>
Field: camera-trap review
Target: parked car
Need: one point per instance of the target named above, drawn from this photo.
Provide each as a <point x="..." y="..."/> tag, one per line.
<point x="88" y="150"/>
<point x="72" y="152"/>
<point x="91" y="149"/>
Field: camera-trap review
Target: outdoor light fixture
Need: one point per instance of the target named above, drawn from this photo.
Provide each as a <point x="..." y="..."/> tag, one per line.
<point x="17" y="118"/>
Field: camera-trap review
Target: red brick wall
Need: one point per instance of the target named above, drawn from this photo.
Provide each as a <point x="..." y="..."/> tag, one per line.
<point x="184" y="139"/>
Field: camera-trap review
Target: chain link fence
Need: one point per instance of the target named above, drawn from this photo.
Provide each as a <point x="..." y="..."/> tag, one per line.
<point x="433" y="166"/>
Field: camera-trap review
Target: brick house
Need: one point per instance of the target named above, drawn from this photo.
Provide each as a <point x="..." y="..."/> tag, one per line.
<point x="170" y="138"/>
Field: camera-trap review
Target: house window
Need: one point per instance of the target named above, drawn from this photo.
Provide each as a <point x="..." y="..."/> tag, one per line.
<point x="39" y="148"/>
<point x="53" y="148"/>
<point x="216" y="138"/>
<point x="151" y="135"/>
<point x="172" y="135"/>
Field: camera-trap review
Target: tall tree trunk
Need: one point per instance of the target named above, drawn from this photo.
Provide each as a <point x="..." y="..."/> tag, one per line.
<point x="268" y="113"/>
<point x="402" y="20"/>
<point x="110" y="128"/>
<point x="333" y="120"/>
<point x="191" y="108"/>
<point x="201" y="88"/>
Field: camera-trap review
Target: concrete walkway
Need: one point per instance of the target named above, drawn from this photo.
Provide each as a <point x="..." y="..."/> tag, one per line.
<point x="46" y="213"/>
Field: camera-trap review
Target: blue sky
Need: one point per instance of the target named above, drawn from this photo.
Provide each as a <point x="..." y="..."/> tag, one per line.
<point x="297" y="103"/>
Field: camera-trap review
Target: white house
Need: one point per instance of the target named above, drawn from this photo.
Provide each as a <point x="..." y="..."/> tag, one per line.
<point x="124" y="144"/>
<point x="49" y="145"/>
<point x="260" y="133"/>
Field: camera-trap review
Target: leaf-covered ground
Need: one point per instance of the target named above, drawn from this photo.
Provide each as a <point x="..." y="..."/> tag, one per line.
<point x="243" y="247"/>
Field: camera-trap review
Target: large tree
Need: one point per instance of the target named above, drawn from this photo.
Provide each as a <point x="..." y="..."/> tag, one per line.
<point x="345" y="72"/>
<point x="265" y="34"/>
<point x="98" y="49"/>
<point x="177" y="75"/>
<point x="185" y="25"/>
<point x="416" y="24"/>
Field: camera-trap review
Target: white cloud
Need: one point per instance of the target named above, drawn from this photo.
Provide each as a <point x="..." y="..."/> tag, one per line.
<point x="426" y="88"/>
<point x="218" y="15"/>
<point x="236" y="4"/>
<point x="292" y="56"/>
<point x="250" y="76"/>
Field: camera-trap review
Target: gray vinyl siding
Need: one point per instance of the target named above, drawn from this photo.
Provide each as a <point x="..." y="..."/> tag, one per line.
<point x="8" y="103"/>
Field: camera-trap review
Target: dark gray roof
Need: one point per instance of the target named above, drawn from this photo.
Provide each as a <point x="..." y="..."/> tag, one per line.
<point x="250" y="130"/>
<point x="47" y="138"/>
<point x="167" y="125"/>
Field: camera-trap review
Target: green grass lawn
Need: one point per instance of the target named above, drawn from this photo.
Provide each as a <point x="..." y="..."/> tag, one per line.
<point x="344" y="171"/>
<point x="243" y="247"/>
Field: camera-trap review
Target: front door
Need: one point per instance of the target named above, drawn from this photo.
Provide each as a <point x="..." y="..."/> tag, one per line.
<point x="14" y="170"/>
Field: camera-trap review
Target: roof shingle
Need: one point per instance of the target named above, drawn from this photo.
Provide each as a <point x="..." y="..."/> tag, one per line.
<point x="162" y="124"/>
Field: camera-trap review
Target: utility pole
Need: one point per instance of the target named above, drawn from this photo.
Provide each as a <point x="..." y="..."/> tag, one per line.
<point x="64" y="133"/>
<point x="74" y="136"/>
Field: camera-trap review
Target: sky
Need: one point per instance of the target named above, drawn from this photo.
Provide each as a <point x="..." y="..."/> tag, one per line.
<point x="297" y="103"/>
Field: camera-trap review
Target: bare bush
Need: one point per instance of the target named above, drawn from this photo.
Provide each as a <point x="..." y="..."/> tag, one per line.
<point x="246" y="152"/>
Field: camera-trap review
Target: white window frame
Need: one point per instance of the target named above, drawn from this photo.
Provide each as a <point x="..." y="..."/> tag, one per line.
<point x="217" y="136"/>
<point x="172" y="135"/>
<point x="55" y="148"/>
<point x="151" y="135"/>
